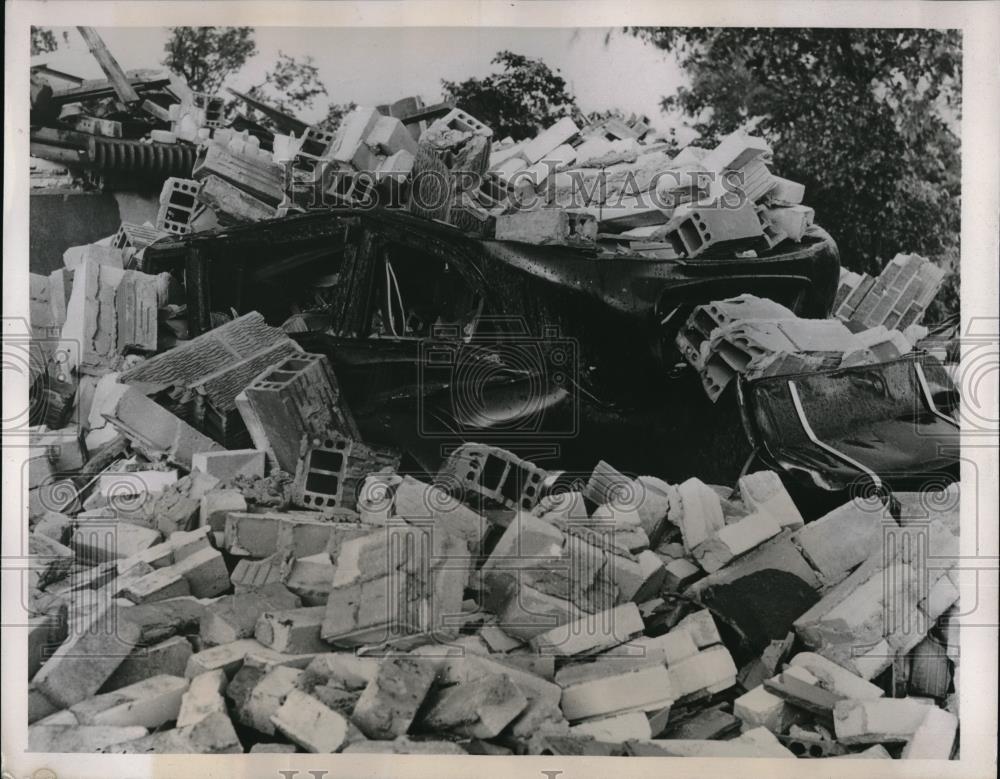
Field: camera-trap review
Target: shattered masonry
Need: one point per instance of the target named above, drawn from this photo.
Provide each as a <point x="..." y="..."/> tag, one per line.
<point x="239" y="542"/>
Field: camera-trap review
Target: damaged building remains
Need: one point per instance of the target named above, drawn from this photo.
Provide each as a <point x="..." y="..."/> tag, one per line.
<point x="408" y="438"/>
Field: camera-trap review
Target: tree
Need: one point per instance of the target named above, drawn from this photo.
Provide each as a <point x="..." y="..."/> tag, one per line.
<point x="43" y="40"/>
<point x="863" y="117"/>
<point x="335" y="115"/>
<point x="207" y="56"/>
<point x="291" y="85"/>
<point x="517" y="101"/>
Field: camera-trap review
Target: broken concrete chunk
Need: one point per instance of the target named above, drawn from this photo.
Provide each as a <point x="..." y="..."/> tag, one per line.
<point x="205" y="572"/>
<point x="310" y="724"/>
<point x="77" y="738"/>
<point x="838" y="542"/>
<point x="836" y="679"/>
<point x="614" y="692"/>
<point x="592" y="633"/>
<point x="622" y="727"/>
<point x="167" y="657"/>
<point x="934" y="739"/>
<point x="734" y="540"/>
<point x="764" y="492"/>
<point x="149" y="703"/>
<point x="886" y="720"/>
<point x="293" y="631"/>
<point x="389" y="703"/>
<point x="235" y="616"/>
<point x="701" y="513"/>
<point x="226" y="466"/>
<point x="267" y="696"/>
<point x="477" y="709"/>
<point x="213" y="734"/>
<point x="202" y="698"/>
<point x="228" y="657"/>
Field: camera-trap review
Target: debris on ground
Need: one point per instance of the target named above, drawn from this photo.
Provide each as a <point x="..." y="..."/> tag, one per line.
<point x="234" y="546"/>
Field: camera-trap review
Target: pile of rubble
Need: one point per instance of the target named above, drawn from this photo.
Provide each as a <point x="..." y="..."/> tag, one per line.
<point x="220" y="562"/>
<point x="185" y="600"/>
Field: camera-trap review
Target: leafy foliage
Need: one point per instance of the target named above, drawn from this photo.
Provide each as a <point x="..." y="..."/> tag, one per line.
<point x="863" y="117"/>
<point x="524" y="96"/>
<point x="43" y="40"/>
<point x="335" y="114"/>
<point x="207" y="56"/>
<point x="291" y="85"/>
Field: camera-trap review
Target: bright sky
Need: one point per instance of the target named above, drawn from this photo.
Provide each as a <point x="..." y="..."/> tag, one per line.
<point x="381" y="64"/>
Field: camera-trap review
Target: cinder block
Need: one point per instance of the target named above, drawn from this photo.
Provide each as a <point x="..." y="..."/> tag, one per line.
<point x="331" y="468"/>
<point x="697" y="229"/>
<point x="457" y="119"/>
<point x="479" y="471"/>
<point x="296" y="397"/>
<point x="178" y="205"/>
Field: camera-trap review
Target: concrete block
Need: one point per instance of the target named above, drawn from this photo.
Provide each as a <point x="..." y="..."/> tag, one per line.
<point x="166" y="657"/>
<point x="227" y="465"/>
<point x="215" y="506"/>
<point x="711" y="670"/>
<point x="760" y="708"/>
<point x="882" y="721"/>
<point x="477" y="709"/>
<point x="841" y="540"/>
<point x="161" y="584"/>
<point x="310" y="578"/>
<point x="591" y="633"/>
<point x="75" y="738"/>
<point x="667" y="649"/>
<point x="390" y="701"/>
<point x="202" y="698"/>
<point x="548" y="140"/>
<point x="313" y="726"/>
<point x="298" y="396"/>
<point x="794" y="220"/>
<point x="547" y="227"/>
<point x="543" y="696"/>
<point x="390" y="136"/>
<point x="233" y="617"/>
<point x="696" y="229"/>
<point x="934" y="739"/>
<point x="763" y="492"/>
<point x="293" y="631"/>
<point x="227" y="657"/>
<point x="622" y="727"/>
<point x="836" y="679"/>
<point x="205" y="572"/>
<point x="734" y="540"/>
<point x="267" y="696"/>
<point x="735" y="151"/>
<point x="701" y="513"/>
<point x="614" y="692"/>
<point x="788" y="191"/>
<point x="149" y="703"/>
